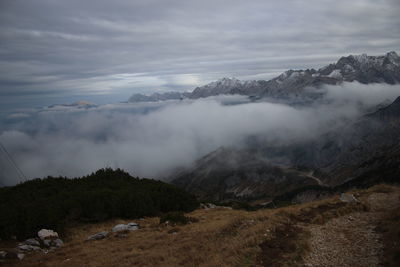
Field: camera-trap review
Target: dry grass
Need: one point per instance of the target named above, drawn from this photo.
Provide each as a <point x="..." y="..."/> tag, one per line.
<point x="221" y="237"/>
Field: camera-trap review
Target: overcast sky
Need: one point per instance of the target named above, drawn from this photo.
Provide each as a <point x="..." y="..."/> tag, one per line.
<point x="104" y="51"/>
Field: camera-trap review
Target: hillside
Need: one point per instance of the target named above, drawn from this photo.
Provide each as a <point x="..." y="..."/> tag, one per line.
<point x="55" y="203"/>
<point x="229" y="174"/>
<point x="329" y="232"/>
<point x="366" y="152"/>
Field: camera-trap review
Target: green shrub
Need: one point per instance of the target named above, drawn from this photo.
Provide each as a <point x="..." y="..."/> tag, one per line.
<point x="56" y="202"/>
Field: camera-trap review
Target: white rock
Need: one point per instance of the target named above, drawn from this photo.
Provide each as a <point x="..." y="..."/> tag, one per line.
<point x="21" y="256"/>
<point x="3" y="254"/>
<point x="47" y="234"/>
<point x="208" y="206"/>
<point x="119" y="227"/>
<point x="211" y="205"/>
<point x="348" y="198"/>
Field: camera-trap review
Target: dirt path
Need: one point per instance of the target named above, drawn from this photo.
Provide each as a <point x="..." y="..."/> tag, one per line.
<point x="311" y="175"/>
<point x="351" y="240"/>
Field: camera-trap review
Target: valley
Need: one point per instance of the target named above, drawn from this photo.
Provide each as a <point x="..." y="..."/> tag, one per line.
<point x="224" y="133"/>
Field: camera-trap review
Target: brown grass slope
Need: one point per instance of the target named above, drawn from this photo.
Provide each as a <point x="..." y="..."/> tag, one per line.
<point x="288" y="236"/>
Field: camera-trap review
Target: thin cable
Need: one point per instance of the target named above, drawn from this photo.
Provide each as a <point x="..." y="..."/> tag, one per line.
<point x="19" y="171"/>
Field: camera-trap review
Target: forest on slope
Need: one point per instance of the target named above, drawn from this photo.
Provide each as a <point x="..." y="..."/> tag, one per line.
<point x="54" y="203"/>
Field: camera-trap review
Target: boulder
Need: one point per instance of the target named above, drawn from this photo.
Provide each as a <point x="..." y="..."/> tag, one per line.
<point x="47" y="234"/>
<point x="132" y="226"/>
<point x="98" y="236"/>
<point x="348" y="198"/>
<point x="119" y="228"/>
<point x="32" y="242"/>
<point x="53" y="243"/>
<point x="28" y="247"/>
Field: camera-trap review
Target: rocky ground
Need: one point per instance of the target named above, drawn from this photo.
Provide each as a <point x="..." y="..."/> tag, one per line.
<point x="360" y="228"/>
<point x="352" y="240"/>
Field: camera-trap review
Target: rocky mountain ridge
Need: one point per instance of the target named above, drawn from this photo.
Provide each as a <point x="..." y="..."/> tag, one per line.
<point x="361" y="68"/>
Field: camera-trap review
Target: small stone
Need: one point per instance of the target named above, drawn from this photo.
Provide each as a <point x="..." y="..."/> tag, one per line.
<point x="119" y="228"/>
<point x="133" y="226"/>
<point x="20" y="256"/>
<point x="28" y="247"/>
<point x="58" y="242"/>
<point x="348" y="198"/>
<point x="98" y="236"/>
<point x="47" y="234"/>
<point x="3" y="254"/>
<point x="32" y="242"/>
<point x="47" y="242"/>
<point x="211" y="206"/>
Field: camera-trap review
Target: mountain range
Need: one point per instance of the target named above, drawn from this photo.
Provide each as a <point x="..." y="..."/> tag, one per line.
<point x="356" y="153"/>
<point x="293" y="83"/>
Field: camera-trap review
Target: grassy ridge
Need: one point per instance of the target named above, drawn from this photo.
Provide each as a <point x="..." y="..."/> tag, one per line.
<point x="54" y="202"/>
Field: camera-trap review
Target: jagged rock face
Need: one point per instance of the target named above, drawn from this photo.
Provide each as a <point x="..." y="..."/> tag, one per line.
<point x="367" y="69"/>
<point x="227" y="86"/>
<point x="290" y="84"/>
<point x="158" y="97"/>
<point x="364" y="69"/>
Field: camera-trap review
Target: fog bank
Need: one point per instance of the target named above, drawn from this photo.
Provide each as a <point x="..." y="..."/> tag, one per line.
<point x="151" y="139"/>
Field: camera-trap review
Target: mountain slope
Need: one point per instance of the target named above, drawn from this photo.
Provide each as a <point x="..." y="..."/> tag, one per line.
<point x="358" y="151"/>
<point x="228" y="173"/>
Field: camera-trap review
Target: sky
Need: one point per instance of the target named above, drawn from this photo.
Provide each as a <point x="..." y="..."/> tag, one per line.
<point x="54" y="51"/>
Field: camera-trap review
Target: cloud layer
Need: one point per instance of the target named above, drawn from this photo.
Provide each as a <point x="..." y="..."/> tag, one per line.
<point x="151" y="139"/>
<point x="77" y="48"/>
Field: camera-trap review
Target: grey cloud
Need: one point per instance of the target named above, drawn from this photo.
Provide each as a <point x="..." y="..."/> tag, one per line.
<point x="151" y="139"/>
<point x="81" y="47"/>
